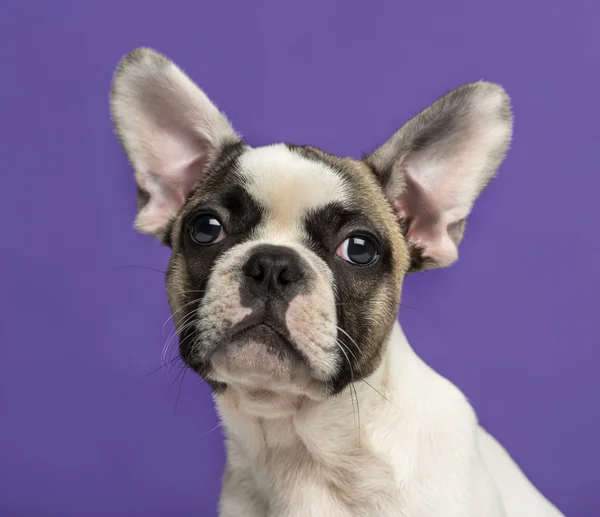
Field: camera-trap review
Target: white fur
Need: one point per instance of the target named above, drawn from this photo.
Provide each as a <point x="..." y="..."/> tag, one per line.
<point x="290" y="186"/>
<point x="417" y="451"/>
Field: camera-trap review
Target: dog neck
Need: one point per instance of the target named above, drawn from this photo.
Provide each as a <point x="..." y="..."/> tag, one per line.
<point x="260" y="423"/>
<point x="358" y="448"/>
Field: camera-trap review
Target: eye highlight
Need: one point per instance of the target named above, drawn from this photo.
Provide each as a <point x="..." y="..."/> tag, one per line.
<point x="359" y="250"/>
<point x="206" y="229"/>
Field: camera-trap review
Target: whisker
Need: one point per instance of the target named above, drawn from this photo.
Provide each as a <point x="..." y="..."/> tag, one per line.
<point x="176" y="312"/>
<point x="185" y="323"/>
<point x="220" y="424"/>
<point x="142" y="267"/>
<point x="343" y="348"/>
<point x="174" y="335"/>
<point x="352" y="386"/>
<point x="179" y="390"/>
<point x="373" y="388"/>
<point x="347" y="349"/>
<point x="353" y="410"/>
<point x="189" y="291"/>
<point x="401" y="305"/>
<point x="349" y="337"/>
<point x="412" y="308"/>
<point x="189" y="318"/>
<point x="357" y="411"/>
<point x="162" y="366"/>
<point x="363" y="380"/>
<point x="176" y="378"/>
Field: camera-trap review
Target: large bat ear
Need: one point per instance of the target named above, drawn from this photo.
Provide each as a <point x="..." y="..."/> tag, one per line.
<point x="170" y="130"/>
<point x="434" y="167"/>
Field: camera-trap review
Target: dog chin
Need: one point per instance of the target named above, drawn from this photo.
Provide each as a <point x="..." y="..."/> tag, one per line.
<point x="262" y="361"/>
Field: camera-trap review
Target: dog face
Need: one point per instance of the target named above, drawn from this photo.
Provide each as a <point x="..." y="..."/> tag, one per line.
<point x="287" y="262"/>
<point x="297" y="254"/>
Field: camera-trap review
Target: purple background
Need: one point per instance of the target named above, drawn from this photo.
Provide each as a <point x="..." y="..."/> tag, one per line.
<point x="514" y="323"/>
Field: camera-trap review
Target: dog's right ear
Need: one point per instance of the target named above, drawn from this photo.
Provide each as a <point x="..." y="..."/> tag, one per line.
<point x="170" y="130"/>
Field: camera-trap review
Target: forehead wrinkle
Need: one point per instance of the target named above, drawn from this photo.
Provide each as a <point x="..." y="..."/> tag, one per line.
<point x="289" y="185"/>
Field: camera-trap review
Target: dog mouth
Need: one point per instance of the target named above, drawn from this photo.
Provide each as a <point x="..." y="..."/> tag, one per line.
<point x="258" y="352"/>
<point x="266" y="333"/>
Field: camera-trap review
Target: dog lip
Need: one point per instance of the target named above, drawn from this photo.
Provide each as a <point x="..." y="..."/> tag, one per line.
<point x="264" y="325"/>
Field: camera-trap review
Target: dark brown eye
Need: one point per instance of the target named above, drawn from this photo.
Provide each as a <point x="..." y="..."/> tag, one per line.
<point x="206" y="229"/>
<point x="359" y="250"/>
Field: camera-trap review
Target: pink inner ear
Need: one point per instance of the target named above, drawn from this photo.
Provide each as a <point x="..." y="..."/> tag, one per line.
<point x="441" y="160"/>
<point x="177" y="175"/>
<point x="172" y="165"/>
<point x="428" y="222"/>
<point x="171" y="131"/>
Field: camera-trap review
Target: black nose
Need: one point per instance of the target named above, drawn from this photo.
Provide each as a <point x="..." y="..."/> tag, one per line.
<point x="273" y="271"/>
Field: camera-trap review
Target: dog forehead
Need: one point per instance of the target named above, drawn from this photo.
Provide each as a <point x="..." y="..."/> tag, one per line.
<point x="288" y="184"/>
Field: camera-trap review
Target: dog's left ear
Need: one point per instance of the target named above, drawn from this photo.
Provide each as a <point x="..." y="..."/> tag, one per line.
<point x="434" y="167"/>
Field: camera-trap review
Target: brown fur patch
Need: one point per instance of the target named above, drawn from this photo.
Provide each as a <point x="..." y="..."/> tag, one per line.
<point x="370" y="310"/>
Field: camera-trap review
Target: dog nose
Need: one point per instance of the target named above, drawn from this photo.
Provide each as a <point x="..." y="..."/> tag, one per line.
<point x="273" y="271"/>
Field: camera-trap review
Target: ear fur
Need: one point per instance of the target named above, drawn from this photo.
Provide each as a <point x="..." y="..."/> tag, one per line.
<point x="437" y="164"/>
<point x="170" y="130"/>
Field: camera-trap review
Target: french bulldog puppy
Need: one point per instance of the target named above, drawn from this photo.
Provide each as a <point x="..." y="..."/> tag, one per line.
<point x="284" y="282"/>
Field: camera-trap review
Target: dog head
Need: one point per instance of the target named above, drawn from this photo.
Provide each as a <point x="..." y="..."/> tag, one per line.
<point x="287" y="262"/>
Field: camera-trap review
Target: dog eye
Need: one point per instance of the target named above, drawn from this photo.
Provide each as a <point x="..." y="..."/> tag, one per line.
<point x="206" y="229"/>
<point x="359" y="250"/>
